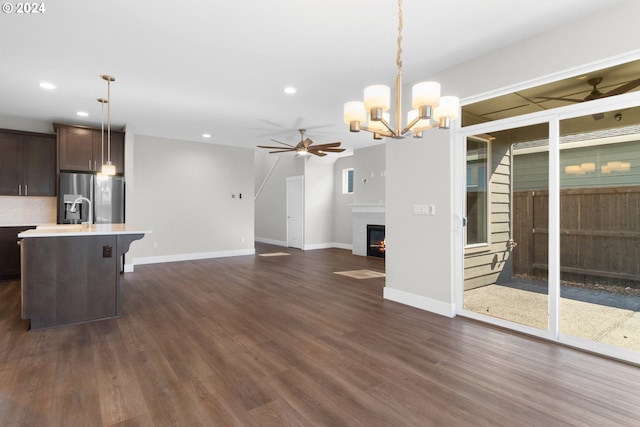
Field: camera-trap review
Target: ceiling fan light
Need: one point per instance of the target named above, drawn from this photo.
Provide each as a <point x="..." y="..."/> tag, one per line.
<point x="354" y="112"/>
<point x="377" y="97"/>
<point x="425" y="94"/>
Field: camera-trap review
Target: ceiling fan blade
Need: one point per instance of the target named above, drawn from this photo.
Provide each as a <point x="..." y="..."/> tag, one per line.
<point x="307" y="142"/>
<point x="317" y="153"/>
<point x="553" y="98"/>
<point x="282" y="151"/>
<point x="277" y="148"/>
<point x="623" y="89"/>
<point x="330" y="150"/>
<point x="283" y="143"/>
<point x="329" y="145"/>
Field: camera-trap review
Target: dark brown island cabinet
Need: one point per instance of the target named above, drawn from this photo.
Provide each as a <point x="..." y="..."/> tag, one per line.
<point x="84" y="149"/>
<point x="27" y="164"/>
<point x="71" y="273"/>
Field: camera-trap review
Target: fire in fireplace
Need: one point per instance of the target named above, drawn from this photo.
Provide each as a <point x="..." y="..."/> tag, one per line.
<point x="376" y="245"/>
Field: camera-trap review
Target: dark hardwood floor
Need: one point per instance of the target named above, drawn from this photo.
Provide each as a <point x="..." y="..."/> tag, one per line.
<point x="283" y="341"/>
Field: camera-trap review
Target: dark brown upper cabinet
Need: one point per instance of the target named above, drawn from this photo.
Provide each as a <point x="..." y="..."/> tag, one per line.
<point x="27" y="164"/>
<point x="82" y="149"/>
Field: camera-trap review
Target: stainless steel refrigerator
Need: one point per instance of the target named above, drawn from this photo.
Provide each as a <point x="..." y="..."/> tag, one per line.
<point x="106" y="196"/>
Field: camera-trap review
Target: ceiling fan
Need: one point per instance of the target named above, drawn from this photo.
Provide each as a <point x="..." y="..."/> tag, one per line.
<point x="305" y="146"/>
<point x="596" y="94"/>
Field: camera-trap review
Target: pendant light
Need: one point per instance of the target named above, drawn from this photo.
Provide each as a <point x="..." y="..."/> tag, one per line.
<point x="108" y="168"/>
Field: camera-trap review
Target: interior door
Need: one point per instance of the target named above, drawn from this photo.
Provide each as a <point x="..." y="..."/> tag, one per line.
<point x="295" y="212"/>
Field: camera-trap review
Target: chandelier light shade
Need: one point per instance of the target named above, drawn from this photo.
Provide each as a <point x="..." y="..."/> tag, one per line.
<point x="354" y="114"/>
<point x="377" y="97"/>
<point x="429" y="108"/>
<point x="108" y="168"/>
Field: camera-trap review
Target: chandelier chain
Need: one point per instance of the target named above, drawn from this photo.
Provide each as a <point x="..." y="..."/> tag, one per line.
<point x="400" y="24"/>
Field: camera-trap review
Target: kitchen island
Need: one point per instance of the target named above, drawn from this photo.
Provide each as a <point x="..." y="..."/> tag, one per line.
<point x="71" y="273"/>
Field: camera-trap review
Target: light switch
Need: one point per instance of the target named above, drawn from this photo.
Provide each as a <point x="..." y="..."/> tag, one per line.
<point x="420" y="209"/>
<point x="432" y="210"/>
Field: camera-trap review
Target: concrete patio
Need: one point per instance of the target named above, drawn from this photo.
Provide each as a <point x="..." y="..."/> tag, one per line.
<point x="586" y="313"/>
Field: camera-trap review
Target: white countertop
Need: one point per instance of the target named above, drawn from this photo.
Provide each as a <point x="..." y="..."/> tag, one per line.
<point x="56" y="230"/>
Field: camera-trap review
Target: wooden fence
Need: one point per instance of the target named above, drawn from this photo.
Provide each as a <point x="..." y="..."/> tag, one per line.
<point x="599" y="234"/>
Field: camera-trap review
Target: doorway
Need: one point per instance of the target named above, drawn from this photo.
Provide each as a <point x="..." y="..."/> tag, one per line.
<point x="295" y="212"/>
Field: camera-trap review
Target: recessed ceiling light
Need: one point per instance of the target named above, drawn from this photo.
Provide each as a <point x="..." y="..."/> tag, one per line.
<point x="82" y="114"/>
<point x="48" y="86"/>
<point x="290" y="90"/>
<point x="206" y="135"/>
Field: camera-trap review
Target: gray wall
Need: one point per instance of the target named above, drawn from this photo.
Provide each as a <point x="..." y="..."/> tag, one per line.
<point x="369" y="164"/>
<point x="271" y="203"/>
<point x="328" y="220"/>
<point x="420" y="261"/>
<point x="183" y="191"/>
<point x="318" y="202"/>
<point x="342" y="220"/>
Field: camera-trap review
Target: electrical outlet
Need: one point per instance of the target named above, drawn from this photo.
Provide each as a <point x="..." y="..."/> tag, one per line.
<point x="107" y="252"/>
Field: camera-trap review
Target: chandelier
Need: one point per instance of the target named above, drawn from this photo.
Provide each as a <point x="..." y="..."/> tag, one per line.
<point x="429" y="108"/>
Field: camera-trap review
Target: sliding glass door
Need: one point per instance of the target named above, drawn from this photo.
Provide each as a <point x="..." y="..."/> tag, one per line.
<point x="552" y="227"/>
<point x="600" y="228"/>
<point x="506" y="245"/>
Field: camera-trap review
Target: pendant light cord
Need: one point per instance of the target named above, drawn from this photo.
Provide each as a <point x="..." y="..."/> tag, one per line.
<point x="400" y="25"/>
<point x="109" y="120"/>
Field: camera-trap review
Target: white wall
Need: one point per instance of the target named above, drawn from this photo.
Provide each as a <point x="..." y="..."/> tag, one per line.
<point x="318" y="202"/>
<point x="369" y="164"/>
<point x="342" y="221"/>
<point x="183" y="191"/>
<point x="26" y="125"/>
<point x="420" y="258"/>
<point x="271" y="203"/>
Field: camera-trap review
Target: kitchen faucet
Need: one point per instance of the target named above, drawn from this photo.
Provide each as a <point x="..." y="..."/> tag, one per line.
<point x="73" y="208"/>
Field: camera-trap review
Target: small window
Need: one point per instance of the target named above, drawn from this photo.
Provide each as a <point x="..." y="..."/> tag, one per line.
<point x="477" y="202"/>
<point x="347" y="181"/>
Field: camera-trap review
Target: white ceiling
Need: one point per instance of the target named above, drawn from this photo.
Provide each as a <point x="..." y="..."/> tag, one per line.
<point x="192" y="67"/>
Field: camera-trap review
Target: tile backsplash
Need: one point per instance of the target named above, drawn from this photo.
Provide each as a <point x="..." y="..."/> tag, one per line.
<point x="27" y="210"/>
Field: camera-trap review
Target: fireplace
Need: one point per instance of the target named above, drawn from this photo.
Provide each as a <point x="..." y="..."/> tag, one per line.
<point x="376" y="245"/>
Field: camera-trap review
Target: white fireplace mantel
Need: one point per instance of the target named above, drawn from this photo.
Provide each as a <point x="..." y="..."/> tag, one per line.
<point x="363" y="214"/>
<point x="368" y="208"/>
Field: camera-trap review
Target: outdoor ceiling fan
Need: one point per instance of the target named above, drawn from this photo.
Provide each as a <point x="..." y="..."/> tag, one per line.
<point x="596" y="94"/>
<point x="305" y="146"/>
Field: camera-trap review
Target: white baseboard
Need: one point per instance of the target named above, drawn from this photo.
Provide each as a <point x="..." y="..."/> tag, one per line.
<point x="417" y="301"/>
<point x="270" y="241"/>
<point x="306" y="247"/>
<point x="190" y="257"/>
<point x="318" y="246"/>
<point x="347" y="246"/>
